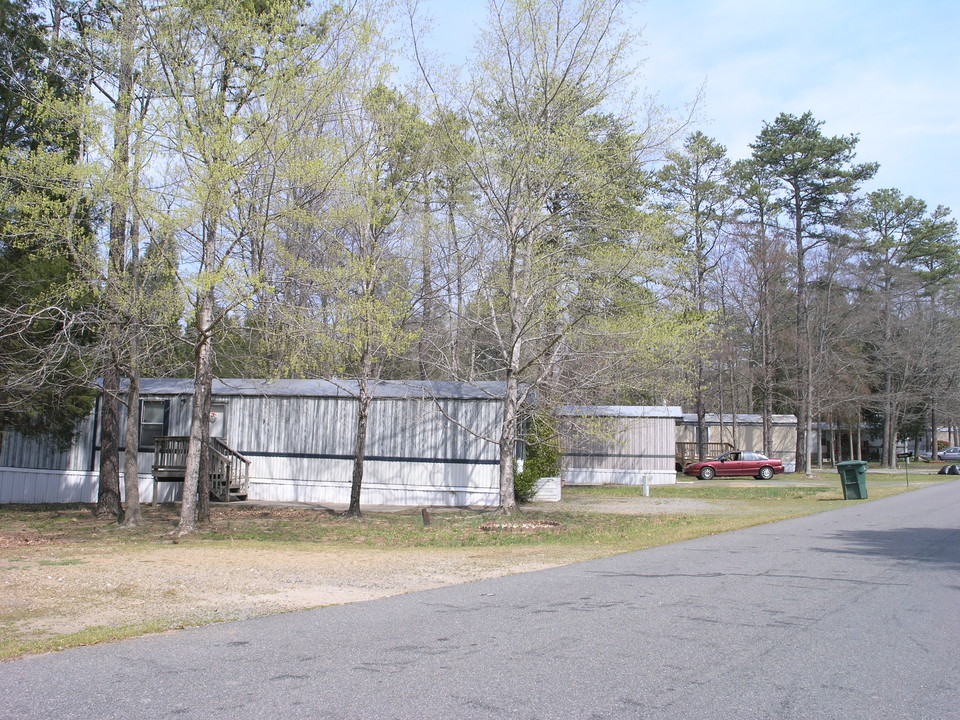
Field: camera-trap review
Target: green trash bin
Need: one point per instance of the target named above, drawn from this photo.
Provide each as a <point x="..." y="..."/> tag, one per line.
<point x="853" y="477"/>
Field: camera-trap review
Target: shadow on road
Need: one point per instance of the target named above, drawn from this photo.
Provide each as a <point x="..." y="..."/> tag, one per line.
<point x="909" y="545"/>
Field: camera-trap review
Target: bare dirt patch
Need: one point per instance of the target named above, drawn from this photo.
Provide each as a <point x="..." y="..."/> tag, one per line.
<point x="52" y="592"/>
<point x="52" y="585"/>
<point x="23" y="539"/>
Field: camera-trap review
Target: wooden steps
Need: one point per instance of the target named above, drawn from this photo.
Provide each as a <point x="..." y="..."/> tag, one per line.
<point x="228" y="471"/>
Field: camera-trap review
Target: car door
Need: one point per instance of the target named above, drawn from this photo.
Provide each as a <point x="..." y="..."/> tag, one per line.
<point x="751" y="463"/>
<point x="732" y="465"/>
<point x="748" y="464"/>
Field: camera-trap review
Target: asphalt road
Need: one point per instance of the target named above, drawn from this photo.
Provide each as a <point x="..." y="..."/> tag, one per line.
<point x="849" y="614"/>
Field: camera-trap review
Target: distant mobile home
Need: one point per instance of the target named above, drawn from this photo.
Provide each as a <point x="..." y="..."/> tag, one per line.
<point x="425" y="443"/>
<point x="744" y="431"/>
<point x="619" y="445"/>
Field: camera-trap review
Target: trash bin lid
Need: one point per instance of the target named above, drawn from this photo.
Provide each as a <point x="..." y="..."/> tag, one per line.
<point x="852" y="463"/>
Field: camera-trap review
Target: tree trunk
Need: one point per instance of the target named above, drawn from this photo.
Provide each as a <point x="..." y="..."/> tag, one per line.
<point x="132" y="516"/>
<point x="203" y="477"/>
<point x="427" y="292"/>
<point x="108" y="490"/>
<point x="768" y="424"/>
<point x="198" y="447"/>
<point x="766" y="336"/>
<point x="834" y="444"/>
<point x="808" y="435"/>
<point x="202" y="383"/>
<point x="700" y="404"/>
<point x="802" y="358"/>
<point x="108" y="495"/>
<point x="456" y="329"/>
<point x="700" y="293"/>
<point x="359" y="450"/>
<point x="888" y="430"/>
<point x="934" y="446"/>
<point x="767" y="412"/>
<point x="508" y="440"/>
<point x="891" y="411"/>
<point x="118" y="251"/>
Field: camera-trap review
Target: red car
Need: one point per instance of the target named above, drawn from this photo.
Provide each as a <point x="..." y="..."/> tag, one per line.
<point x="736" y="464"/>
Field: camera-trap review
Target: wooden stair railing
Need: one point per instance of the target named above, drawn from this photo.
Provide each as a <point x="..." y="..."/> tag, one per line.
<point x="687" y="452"/>
<point x="228" y="471"/>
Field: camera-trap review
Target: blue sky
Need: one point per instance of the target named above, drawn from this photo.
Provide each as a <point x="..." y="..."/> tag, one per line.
<point x="887" y="71"/>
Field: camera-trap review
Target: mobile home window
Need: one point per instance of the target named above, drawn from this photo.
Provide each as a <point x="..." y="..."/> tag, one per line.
<point x="153" y="422"/>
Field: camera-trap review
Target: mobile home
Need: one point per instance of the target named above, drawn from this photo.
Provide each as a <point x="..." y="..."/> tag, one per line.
<point x="742" y="431"/>
<point x="428" y="443"/>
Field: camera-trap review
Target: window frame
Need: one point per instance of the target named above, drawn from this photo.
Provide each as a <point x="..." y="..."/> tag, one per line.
<point x="164" y="425"/>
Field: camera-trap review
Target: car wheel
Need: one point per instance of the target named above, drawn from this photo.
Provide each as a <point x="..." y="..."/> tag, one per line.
<point x="707" y="473"/>
<point x="766" y="472"/>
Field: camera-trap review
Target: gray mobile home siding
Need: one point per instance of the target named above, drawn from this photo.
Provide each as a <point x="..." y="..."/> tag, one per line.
<point x="41" y="454"/>
<point x="620" y="445"/>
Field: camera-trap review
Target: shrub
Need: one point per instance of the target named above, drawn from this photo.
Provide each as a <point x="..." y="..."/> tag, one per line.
<point x="542" y="457"/>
